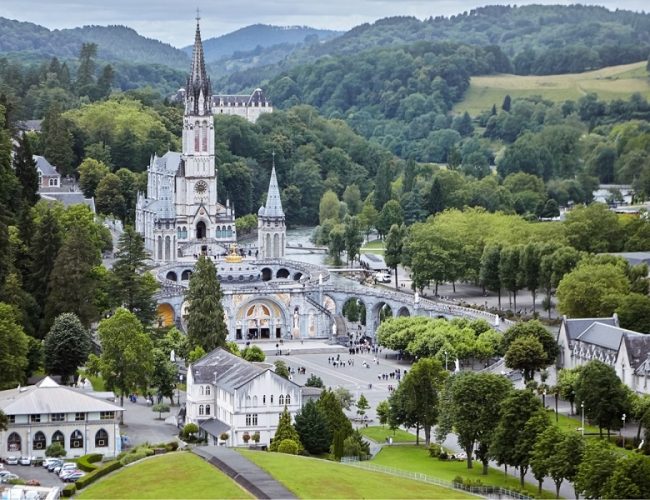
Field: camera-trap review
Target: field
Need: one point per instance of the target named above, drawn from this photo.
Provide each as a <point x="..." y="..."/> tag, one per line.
<point x="175" y="475"/>
<point x="314" y="478"/>
<point x="416" y="459"/>
<point x="609" y="83"/>
<point x="375" y="246"/>
<point x="379" y="434"/>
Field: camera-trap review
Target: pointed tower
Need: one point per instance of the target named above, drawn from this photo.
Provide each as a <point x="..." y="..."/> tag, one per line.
<point x="271" y="227"/>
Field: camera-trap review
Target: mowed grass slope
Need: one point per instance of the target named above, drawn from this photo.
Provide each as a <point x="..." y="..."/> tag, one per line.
<point x="614" y="82"/>
<point x="174" y="475"/>
<point x="314" y="478"/>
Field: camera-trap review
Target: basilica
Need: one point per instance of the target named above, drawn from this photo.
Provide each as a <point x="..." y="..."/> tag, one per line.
<point x="180" y="215"/>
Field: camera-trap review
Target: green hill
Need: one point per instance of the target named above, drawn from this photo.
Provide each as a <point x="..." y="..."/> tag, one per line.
<point x="614" y="82"/>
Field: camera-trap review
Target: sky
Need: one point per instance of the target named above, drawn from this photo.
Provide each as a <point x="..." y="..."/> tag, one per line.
<point x="171" y="21"/>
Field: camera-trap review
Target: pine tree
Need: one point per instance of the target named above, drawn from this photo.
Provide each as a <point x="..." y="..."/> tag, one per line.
<point x="135" y="287"/>
<point x="285" y="430"/>
<point x="67" y="346"/>
<point x="13" y="349"/>
<point x="312" y="429"/>
<point x="56" y="140"/>
<point x="336" y="419"/>
<point x="44" y="248"/>
<point x="86" y="72"/>
<point x="362" y="405"/>
<point x="72" y="284"/>
<point x="383" y="191"/>
<point x="435" y="200"/>
<point x="25" y="168"/>
<point x="206" y="326"/>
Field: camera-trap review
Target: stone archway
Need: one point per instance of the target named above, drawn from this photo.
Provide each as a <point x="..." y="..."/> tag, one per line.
<point x="201" y="230"/>
<point x="166" y="314"/>
<point x="354" y="310"/>
<point x="171" y="275"/>
<point x="261" y="318"/>
<point x="282" y="273"/>
<point x="403" y="311"/>
<point x="329" y="303"/>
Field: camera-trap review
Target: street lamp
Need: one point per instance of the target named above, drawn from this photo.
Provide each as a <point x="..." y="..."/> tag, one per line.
<point x="582" y="405"/>
<point x="446" y="369"/>
<point x="623" y="430"/>
<point x="178" y="388"/>
<point x="544" y="399"/>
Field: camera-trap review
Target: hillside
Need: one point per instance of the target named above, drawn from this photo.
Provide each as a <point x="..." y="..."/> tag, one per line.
<point x="614" y="82"/>
<point x="262" y="36"/>
<point x="115" y="43"/>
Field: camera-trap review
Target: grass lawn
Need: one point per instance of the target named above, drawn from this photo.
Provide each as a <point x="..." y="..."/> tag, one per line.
<point x="174" y="475"/>
<point x="572" y="423"/>
<point x="614" y="82"/>
<point x="314" y="478"/>
<point x="379" y="434"/>
<point x="416" y="459"/>
<point x="374" y="246"/>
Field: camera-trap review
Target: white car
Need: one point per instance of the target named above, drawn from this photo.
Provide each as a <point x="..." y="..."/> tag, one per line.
<point x="25" y="461"/>
<point x="48" y="461"/>
<point x="8" y="477"/>
<point x="12" y="460"/>
<point x="66" y="467"/>
<point x="383" y="277"/>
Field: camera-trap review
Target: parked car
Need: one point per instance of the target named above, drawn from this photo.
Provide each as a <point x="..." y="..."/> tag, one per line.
<point x="73" y="476"/>
<point x="12" y="460"/>
<point x="25" y="461"/>
<point x="8" y="477"/>
<point x="66" y="467"/>
<point x="54" y="464"/>
<point x="382" y="277"/>
<point x="48" y="461"/>
<point x="4" y="472"/>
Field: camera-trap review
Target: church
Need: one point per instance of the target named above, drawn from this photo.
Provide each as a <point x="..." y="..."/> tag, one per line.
<point x="180" y="216"/>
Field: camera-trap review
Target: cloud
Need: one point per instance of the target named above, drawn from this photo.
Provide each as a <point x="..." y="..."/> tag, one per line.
<point x="172" y="21"/>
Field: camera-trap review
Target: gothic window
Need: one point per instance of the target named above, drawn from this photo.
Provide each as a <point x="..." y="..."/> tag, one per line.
<point x="205" y="136"/>
<point x="201" y="390"/>
<point x="207" y="409"/>
<point x="39" y="441"/>
<point x="281" y="400"/>
<point x="207" y="390"/>
<point x="101" y="439"/>
<point x="160" y="248"/>
<point x="58" y="437"/>
<point x="271" y="398"/>
<point x="201" y="409"/>
<point x="287" y="400"/>
<point x="264" y="399"/>
<point x="197" y="135"/>
<point x="14" y="442"/>
<point x="77" y="439"/>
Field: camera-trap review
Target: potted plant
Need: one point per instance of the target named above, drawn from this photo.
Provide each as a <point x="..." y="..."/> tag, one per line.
<point x="224" y="437"/>
<point x="246" y="437"/>
<point x="256" y="437"/>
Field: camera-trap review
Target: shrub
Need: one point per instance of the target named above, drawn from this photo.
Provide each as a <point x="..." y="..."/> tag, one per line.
<point x="224" y="436"/>
<point x="87" y="462"/>
<point x="69" y="490"/>
<point x="93" y="476"/>
<point x="171" y="446"/>
<point x="133" y="457"/>
<point x="190" y="429"/>
<point x="458" y="481"/>
<point x="434" y="450"/>
<point x="443" y="456"/>
<point x="246" y="437"/>
<point x="256" y="437"/>
<point x="288" y="446"/>
<point x="55" y="450"/>
<point x="314" y="381"/>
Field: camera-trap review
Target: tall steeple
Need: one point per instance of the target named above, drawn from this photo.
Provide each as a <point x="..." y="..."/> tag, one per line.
<point x="199" y="90"/>
<point x="273" y="206"/>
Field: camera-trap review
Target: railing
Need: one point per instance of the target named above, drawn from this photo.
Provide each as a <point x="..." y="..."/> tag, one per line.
<point x="483" y="491"/>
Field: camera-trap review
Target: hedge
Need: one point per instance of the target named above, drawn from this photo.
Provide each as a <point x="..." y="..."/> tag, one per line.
<point x="93" y="476"/>
<point x="69" y="490"/>
<point x="87" y="462"/>
<point x="133" y="457"/>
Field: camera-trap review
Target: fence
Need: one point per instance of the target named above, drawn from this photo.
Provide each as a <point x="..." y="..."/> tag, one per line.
<point x="483" y="491"/>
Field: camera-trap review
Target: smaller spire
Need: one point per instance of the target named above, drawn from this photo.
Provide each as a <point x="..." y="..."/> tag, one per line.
<point x="273" y="201"/>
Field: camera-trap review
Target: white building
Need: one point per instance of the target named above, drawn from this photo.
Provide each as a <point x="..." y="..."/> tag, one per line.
<point x="249" y="107"/>
<point x="584" y="339"/>
<point x="226" y="393"/>
<point x="271" y="227"/>
<point x="48" y="412"/>
<point x="180" y="214"/>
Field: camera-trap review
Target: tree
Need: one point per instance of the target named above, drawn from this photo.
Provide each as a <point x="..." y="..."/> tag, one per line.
<point x="91" y="172"/>
<point x="471" y="405"/>
<point x="598" y="464"/>
<point x="629" y="479"/>
<point x="344" y="397"/>
<point x="164" y="376"/>
<point x="435" y="198"/>
<point x="353" y="237"/>
<point x="86" y="71"/>
<point x="336" y="419"/>
<point x="383" y="412"/>
<point x="489" y="274"/>
<point x="134" y="286"/>
<point x="253" y="353"/>
<point x="160" y="408"/>
<point x="329" y="207"/>
<point x="526" y="354"/>
<point x="205" y="317"/>
<point x="67" y="346"/>
<point x="603" y="394"/>
<point x="312" y="428"/>
<point x="536" y="330"/>
<point x="362" y="405"/>
<point x="314" y="381"/>
<point x="25" y="168"/>
<point x="634" y="312"/>
<point x="510" y="270"/>
<point x="394" y="248"/>
<point x="383" y="191"/>
<point x="586" y="291"/>
<point x="282" y="369"/>
<point x="56" y="140"/>
<point x="390" y="214"/>
<point x="355" y="446"/>
<point x="566" y="382"/>
<point x="55" y="450"/>
<point x="126" y="361"/>
<point x="352" y="199"/>
<point x="109" y="198"/>
<point x="594" y="229"/>
<point x="530" y="264"/>
<point x="13" y="349"/>
<point x="511" y="443"/>
<point x="73" y="282"/>
<point x="556" y="454"/>
<point x="285" y="430"/>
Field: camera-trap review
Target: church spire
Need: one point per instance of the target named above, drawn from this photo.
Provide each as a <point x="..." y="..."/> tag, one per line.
<point x="273" y="202"/>
<point x="199" y="91"/>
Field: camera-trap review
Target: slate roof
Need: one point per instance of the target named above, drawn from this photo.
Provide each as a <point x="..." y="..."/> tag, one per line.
<point x="214" y="426"/>
<point x="169" y="162"/>
<point x="273" y="206"/>
<point x="49" y="397"/>
<point x="46" y="168"/>
<point x="575" y="327"/>
<point x="69" y="198"/>
<point x="606" y="336"/>
<point x="257" y="97"/>
<point x="221" y="368"/>
<point x="638" y="349"/>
